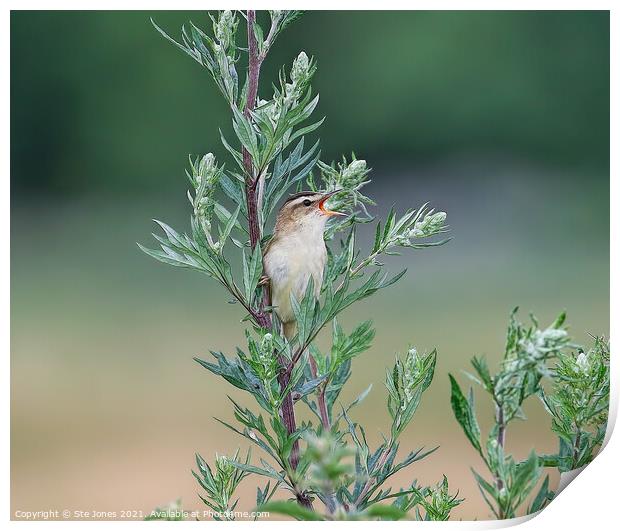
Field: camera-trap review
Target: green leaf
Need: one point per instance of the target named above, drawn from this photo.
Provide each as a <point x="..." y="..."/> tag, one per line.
<point x="252" y="270"/>
<point x="192" y="53"/>
<point x="385" y="512"/>
<point x="238" y="373"/>
<point x="543" y="497"/>
<point x="255" y="470"/>
<point x="464" y="414"/>
<point x="527" y="473"/>
<point x="309" y="386"/>
<point x="258" y="34"/>
<point x="236" y="154"/>
<point x="232" y="222"/>
<point x="290" y="508"/>
<point x="307" y="129"/>
<point x="559" y="320"/>
<point x="482" y="369"/>
<point x="304" y="312"/>
<point x="245" y="133"/>
<point x="485" y="487"/>
<point x="357" y="400"/>
<point x="378" y="239"/>
<point x="552" y="461"/>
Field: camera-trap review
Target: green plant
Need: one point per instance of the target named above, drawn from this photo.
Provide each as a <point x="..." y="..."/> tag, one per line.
<point x="220" y="484"/>
<point x="436" y="501"/>
<point x="578" y="405"/>
<point x="270" y="157"/>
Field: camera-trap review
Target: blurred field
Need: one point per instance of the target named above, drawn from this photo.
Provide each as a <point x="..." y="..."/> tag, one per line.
<point x="108" y="407"/>
<point x="499" y="118"/>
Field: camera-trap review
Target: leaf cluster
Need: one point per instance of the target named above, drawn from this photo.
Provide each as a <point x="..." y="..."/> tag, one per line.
<point x="219" y="484"/>
<point x="270" y="157"/>
<point x="579" y="404"/>
<point x="430" y="503"/>
<point x="527" y="354"/>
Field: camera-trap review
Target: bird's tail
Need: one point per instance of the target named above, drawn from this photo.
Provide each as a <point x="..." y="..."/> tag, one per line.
<point x="289" y="329"/>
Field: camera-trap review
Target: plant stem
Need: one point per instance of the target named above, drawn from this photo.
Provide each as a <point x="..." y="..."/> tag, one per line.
<point x="370" y="482"/>
<point x="501" y="441"/>
<point x="263" y="318"/>
<point x="321" y="397"/>
<point x="576" y="449"/>
<point x="254" y="64"/>
<point x="501" y="427"/>
<point x="330" y="498"/>
<point x="288" y="412"/>
<point x="323" y="408"/>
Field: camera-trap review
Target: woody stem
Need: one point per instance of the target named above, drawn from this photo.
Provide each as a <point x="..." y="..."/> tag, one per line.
<point x="262" y="317"/>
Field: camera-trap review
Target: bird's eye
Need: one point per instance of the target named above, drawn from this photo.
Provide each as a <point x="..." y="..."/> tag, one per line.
<point x="307" y="202"/>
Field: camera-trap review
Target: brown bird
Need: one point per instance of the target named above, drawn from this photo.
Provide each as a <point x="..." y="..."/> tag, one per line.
<point x="297" y="252"/>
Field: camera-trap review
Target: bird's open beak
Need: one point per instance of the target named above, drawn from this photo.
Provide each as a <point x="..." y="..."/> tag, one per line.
<point x="325" y="210"/>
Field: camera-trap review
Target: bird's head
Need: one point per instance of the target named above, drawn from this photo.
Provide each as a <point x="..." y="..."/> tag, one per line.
<point x="306" y="209"/>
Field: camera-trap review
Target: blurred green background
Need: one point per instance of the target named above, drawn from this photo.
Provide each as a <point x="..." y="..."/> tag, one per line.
<point x="499" y="118"/>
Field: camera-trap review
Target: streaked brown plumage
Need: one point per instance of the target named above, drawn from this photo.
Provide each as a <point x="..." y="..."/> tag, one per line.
<point x="296" y="252"/>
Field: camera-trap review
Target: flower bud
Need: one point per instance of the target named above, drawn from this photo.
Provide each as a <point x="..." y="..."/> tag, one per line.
<point x="224" y="467"/>
<point x="224" y="28"/>
<point x="299" y="72"/>
<point x="583" y="362"/>
<point x="206" y="164"/>
<point x="431" y="224"/>
<point x="266" y="345"/>
<point x="356" y="166"/>
<point x="410" y="372"/>
<point x="554" y="334"/>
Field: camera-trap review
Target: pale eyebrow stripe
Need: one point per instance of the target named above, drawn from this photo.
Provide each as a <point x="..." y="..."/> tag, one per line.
<point x="303" y="193"/>
<point x="299" y="200"/>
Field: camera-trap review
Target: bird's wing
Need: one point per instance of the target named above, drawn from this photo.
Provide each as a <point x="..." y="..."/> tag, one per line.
<point x="264" y="279"/>
<point x="267" y="248"/>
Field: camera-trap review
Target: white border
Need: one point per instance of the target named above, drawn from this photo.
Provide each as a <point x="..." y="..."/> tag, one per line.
<point x="590" y="501"/>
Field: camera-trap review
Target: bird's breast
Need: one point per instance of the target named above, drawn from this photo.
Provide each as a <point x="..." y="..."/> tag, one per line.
<point x="289" y="264"/>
